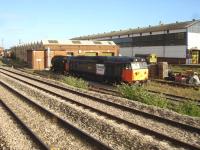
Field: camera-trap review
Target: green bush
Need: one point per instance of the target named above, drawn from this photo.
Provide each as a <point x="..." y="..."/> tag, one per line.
<point x="76" y="82"/>
<point x="14" y="62"/>
<point x="73" y="81"/>
<point x="138" y="93"/>
<point x="1" y="63"/>
<point x="189" y="108"/>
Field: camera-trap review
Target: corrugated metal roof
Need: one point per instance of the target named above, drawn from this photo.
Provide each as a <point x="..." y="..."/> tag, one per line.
<point x="161" y="27"/>
<point x="43" y="43"/>
<point x="76" y="42"/>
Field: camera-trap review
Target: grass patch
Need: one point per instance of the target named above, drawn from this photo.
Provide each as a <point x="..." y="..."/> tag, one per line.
<point x="1" y="63"/>
<point x="139" y="93"/>
<point x="175" y="90"/>
<point x="73" y="81"/>
<point x="14" y="62"/>
<point x="189" y="108"/>
<point x="76" y="82"/>
<point x="178" y="68"/>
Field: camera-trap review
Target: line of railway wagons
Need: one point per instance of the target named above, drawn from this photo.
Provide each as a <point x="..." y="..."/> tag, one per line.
<point x="103" y="68"/>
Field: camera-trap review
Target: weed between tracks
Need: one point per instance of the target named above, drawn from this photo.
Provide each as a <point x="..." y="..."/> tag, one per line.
<point x="1" y="63"/>
<point x="73" y="81"/>
<point x="14" y="62"/>
<point x="178" y="68"/>
<point x="139" y="93"/>
<point x="179" y="91"/>
<point x="189" y="108"/>
<point x="77" y="82"/>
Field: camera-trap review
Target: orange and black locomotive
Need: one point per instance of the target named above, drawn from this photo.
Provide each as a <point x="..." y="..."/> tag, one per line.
<point x="103" y="68"/>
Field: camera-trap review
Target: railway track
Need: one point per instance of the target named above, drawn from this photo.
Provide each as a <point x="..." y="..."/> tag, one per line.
<point x="93" y="86"/>
<point x="176" y="84"/>
<point x="112" y="91"/>
<point x="103" y="90"/>
<point x="157" y="135"/>
<point x="58" y="119"/>
<point x="35" y="138"/>
<point x="176" y="98"/>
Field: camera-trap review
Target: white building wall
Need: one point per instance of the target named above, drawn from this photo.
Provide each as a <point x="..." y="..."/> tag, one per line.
<point x="123" y="36"/>
<point x="177" y="31"/>
<point x="146" y="33"/>
<point x="134" y="35"/>
<point x="106" y="38"/>
<point x="158" y="32"/>
<point x="193" y="40"/>
<point x="160" y="51"/>
<point x="175" y="51"/>
<point x="115" y="37"/>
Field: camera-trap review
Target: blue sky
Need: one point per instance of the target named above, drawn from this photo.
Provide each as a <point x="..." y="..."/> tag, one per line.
<point x="31" y="20"/>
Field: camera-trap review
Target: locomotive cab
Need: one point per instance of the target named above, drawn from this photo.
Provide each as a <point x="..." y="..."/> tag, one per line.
<point x="135" y="71"/>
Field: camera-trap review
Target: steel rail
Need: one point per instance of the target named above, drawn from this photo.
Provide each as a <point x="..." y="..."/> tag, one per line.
<point x="130" y="124"/>
<point x="170" y="97"/>
<point x="126" y="108"/>
<point x="80" y="132"/>
<point x="36" y="139"/>
<point x="176" y="83"/>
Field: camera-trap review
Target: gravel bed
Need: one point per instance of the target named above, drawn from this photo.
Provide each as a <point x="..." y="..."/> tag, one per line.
<point x="3" y="143"/>
<point x="137" y="119"/>
<point x="118" y="135"/>
<point x="53" y="134"/>
<point x="165" y="113"/>
<point x="12" y="135"/>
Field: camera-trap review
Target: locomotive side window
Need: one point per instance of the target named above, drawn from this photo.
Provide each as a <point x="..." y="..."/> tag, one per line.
<point x="135" y="65"/>
<point x="127" y="66"/>
<point x="143" y="65"/>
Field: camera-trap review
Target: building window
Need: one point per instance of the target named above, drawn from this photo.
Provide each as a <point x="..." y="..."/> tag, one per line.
<point x="91" y="54"/>
<point x="76" y="42"/>
<point x="180" y="35"/>
<point x="52" y="41"/>
<point x="97" y="42"/>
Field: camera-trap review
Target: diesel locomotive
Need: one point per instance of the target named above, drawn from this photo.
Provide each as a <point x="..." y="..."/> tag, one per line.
<point x="103" y="68"/>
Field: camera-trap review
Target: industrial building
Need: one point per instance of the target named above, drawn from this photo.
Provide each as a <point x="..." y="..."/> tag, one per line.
<point x="177" y="43"/>
<point x="39" y="54"/>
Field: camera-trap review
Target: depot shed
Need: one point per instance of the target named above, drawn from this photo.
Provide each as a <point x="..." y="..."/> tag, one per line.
<point x="176" y="43"/>
<point x="39" y="54"/>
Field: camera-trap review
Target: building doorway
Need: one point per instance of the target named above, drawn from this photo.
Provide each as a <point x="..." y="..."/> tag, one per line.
<point x="195" y="57"/>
